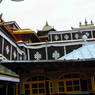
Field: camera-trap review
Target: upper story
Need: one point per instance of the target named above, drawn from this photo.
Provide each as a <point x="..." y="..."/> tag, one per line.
<point x="49" y="44"/>
<point x="58" y="43"/>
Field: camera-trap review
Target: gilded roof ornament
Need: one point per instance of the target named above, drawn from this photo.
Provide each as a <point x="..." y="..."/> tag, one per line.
<point x="92" y="22"/>
<point x="80" y="24"/>
<point x="1" y="20"/>
<point x="47" y="23"/>
<point x="86" y="22"/>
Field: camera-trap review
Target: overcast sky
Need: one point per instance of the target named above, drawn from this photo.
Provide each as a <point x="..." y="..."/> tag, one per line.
<point x="62" y="14"/>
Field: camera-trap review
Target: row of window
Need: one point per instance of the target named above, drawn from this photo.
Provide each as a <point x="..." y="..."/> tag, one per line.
<point x="60" y="86"/>
<point x="41" y="85"/>
<point x="71" y="36"/>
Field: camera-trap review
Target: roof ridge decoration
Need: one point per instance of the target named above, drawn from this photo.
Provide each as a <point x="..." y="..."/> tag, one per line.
<point x="92" y="22"/>
<point x="47" y="23"/>
<point x="47" y="27"/>
<point x="86" y="25"/>
<point x="86" y="22"/>
<point x="1" y="20"/>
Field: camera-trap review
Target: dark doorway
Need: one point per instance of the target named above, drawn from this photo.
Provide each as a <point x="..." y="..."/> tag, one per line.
<point x="7" y="88"/>
<point x="2" y="89"/>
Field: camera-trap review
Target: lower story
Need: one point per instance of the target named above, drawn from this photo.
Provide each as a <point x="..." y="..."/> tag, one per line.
<point x="57" y="83"/>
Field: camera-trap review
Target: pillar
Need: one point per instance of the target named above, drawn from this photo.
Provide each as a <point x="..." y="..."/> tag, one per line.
<point x="6" y="88"/>
<point x="93" y="83"/>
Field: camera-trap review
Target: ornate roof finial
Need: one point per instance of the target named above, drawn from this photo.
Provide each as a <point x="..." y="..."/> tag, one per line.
<point x="86" y="21"/>
<point x="1" y="20"/>
<point x="46" y="23"/>
<point x="92" y="22"/>
<point x="79" y="23"/>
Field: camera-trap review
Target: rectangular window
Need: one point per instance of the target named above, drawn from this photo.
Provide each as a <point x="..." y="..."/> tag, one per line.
<point x="41" y="85"/>
<point x="61" y="89"/>
<point x="34" y="91"/>
<point x="26" y="86"/>
<point x="27" y="92"/>
<point x="69" y="89"/>
<point x="61" y="83"/>
<point x="68" y="83"/>
<point x="41" y="91"/>
<point x="61" y="86"/>
<point x="34" y="85"/>
<point x="75" y="82"/>
<point x="76" y="88"/>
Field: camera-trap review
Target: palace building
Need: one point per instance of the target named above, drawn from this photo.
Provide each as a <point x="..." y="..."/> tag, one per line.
<point x="48" y="62"/>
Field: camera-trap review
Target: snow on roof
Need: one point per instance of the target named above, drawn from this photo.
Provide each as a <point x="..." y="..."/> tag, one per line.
<point x="87" y="51"/>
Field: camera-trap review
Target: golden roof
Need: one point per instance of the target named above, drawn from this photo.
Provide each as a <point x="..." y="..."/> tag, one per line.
<point x="85" y="26"/>
<point x="23" y="31"/>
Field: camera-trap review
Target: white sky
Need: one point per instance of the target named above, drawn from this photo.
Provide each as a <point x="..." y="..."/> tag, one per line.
<point x="62" y="14"/>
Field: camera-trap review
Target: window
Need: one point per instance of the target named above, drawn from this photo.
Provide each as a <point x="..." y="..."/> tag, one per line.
<point x="34" y="85"/>
<point x="38" y="88"/>
<point x="69" y="83"/>
<point x="26" y="86"/>
<point x="61" y="86"/>
<point x="27" y="92"/>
